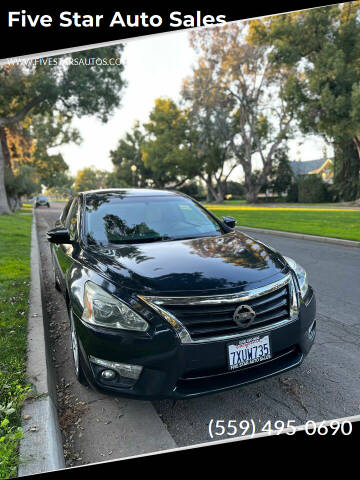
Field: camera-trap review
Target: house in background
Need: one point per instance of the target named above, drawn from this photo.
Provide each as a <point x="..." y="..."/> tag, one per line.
<point x="322" y="167"/>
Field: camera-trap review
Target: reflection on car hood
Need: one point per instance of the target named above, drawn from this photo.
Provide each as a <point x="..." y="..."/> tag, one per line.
<point x="230" y="262"/>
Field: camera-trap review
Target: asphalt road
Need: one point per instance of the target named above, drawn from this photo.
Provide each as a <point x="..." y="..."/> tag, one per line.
<point x="325" y="386"/>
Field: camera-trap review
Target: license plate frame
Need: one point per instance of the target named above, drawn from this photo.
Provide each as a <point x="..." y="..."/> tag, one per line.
<point x="244" y="343"/>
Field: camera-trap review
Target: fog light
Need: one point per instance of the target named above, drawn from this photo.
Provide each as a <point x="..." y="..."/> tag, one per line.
<point x="123" y="369"/>
<point x="108" y="374"/>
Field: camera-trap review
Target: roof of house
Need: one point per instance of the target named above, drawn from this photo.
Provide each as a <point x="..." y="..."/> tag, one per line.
<point x="327" y="165"/>
<point x="306" y="166"/>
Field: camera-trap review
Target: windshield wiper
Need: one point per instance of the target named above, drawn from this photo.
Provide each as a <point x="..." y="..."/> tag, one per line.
<point x="153" y="239"/>
<point x="163" y="238"/>
<point x="141" y="240"/>
<point x="193" y="237"/>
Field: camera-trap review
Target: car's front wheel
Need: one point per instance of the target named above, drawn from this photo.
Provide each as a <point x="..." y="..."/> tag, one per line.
<point x="79" y="373"/>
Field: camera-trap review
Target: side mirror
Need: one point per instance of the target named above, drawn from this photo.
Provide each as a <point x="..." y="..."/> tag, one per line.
<point x="59" y="235"/>
<point x="229" y="221"/>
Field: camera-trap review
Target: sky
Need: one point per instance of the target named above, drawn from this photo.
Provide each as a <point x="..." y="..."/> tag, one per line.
<point x="155" y="66"/>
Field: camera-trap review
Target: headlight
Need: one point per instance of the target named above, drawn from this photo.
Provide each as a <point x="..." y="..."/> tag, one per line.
<point x="101" y="308"/>
<point x="301" y="275"/>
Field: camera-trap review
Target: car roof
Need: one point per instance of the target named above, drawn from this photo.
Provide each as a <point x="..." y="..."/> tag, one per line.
<point x="131" y="192"/>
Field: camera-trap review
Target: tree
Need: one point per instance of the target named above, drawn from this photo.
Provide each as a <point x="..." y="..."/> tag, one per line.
<point x="323" y="46"/>
<point x="281" y="175"/>
<point x="167" y="151"/>
<point x="235" y="189"/>
<point x="16" y="145"/>
<point x="209" y="112"/>
<point x="193" y="189"/>
<point x="24" y="181"/>
<point x="90" y="178"/>
<point x="252" y="88"/>
<point x="62" y="186"/>
<point x="312" y="189"/>
<point x="51" y="169"/>
<point x="128" y="154"/>
<point x="161" y="150"/>
<point x="49" y="131"/>
<point x="24" y="144"/>
<point x="71" y="86"/>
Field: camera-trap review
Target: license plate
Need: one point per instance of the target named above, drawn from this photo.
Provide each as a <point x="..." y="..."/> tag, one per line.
<point x="247" y="351"/>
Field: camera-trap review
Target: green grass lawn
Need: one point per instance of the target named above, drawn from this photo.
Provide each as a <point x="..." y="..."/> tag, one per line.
<point x="337" y="224"/>
<point x="14" y="292"/>
<point x="227" y="203"/>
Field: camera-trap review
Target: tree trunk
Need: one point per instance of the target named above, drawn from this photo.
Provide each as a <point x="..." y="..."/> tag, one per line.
<point x="252" y="189"/>
<point x="251" y="194"/>
<point x="220" y="193"/>
<point x="210" y="191"/>
<point x="4" y="204"/>
<point x="347" y="169"/>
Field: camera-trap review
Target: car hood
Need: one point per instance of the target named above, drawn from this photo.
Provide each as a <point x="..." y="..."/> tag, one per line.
<point x="226" y="263"/>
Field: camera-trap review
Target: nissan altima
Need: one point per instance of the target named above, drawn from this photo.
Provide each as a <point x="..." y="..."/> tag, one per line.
<point x="165" y="300"/>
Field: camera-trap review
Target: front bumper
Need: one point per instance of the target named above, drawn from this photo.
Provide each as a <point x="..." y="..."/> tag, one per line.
<point x="178" y="371"/>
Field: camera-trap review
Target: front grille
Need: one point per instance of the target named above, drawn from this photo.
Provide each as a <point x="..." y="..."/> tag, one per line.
<point x="205" y="321"/>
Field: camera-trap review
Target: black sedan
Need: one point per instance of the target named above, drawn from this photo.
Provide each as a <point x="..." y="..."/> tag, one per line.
<point x="167" y="301"/>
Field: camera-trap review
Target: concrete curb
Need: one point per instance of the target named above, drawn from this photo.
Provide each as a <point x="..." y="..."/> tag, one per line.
<point x="41" y="445"/>
<point x="302" y="236"/>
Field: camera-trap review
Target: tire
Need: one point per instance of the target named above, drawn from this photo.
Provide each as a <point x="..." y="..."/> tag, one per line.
<point x="48" y="205"/>
<point x="79" y="372"/>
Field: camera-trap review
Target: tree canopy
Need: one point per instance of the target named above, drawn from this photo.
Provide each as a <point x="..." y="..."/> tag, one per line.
<point x="56" y="93"/>
<point x="90" y="178"/>
<point x="167" y="149"/>
<point x="323" y="46"/>
<point x="128" y="154"/>
<point x="242" y="111"/>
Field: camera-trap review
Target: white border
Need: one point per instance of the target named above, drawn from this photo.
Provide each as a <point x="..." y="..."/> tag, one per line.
<point x="5" y="61"/>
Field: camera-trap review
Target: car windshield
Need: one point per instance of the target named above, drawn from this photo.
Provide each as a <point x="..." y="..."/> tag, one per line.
<point x="43" y="198"/>
<point x="120" y="219"/>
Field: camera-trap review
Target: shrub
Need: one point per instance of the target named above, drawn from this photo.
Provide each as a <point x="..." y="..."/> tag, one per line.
<point x="193" y="190"/>
<point x="236" y="189"/>
<point x="293" y="193"/>
<point x="312" y="189"/>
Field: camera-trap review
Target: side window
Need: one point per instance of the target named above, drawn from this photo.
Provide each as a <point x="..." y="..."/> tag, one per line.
<point x="71" y="219"/>
<point x="66" y="210"/>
